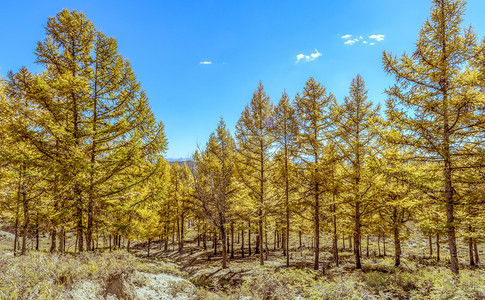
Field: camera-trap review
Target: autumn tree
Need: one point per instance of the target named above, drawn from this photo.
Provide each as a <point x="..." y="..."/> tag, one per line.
<point x="313" y="112"/>
<point x="215" y="182"/>
<point x="357" y="135"/>
<point x="254" y="134"/>
<point x="435" y="102"/>
<point x="285" y="131"/>
<point x="91" y="120"/>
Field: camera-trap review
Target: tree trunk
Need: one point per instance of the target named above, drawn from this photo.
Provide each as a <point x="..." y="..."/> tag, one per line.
<point x="249" y="238"/>
<point x="397" y="247"/>
<point x="256" y="250"/>
<point x="204" y="239"/>
<point x="384" y="243"/>
<point x="62" y="240"/>
<point x="358" y="264"/>
<point x="260" y="238"/>
<point x="430" y="240"/>
<point x="242" y="243"/>
<point x="224" y="248"/>
<point x="53" y="241"/>
<point x="232" y="240"/>
<point x="438" y="247"/>
<point x="334" y="235"/>
<point x="79" y="215"/>
<point x="148" y="247"/>
<point x="317" y="228"/>
<point x="470" y="252"/>
<point x="475" y="248"/>
<point x="266" y="243"/>
<point x="379" y="244"/>
<point x="25" y="228"/>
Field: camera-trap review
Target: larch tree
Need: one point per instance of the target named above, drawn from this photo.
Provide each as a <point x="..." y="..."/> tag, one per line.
<point x="215" y="184"/>
<point x="91" y="120"/>
<point x="254" y="135"/>
<point x="435" y="101"/>
<point x="316" y="126"/>
<point x="357" y="135"/>
<point x="285" y="132"/>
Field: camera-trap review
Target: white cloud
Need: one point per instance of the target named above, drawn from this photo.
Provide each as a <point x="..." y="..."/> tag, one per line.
<point x="346" y="36"/>
<point x="365" y="42"/>
<point x="308" y="58"/>
<point x="205" y="63"/>
<point x="360" y="37"/>
<point x="372" y="44"/>
<point x="351" y="42"/>
<point x="377" y="37"/>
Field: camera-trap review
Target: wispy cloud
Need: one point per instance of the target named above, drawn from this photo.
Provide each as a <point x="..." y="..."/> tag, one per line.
<point x="308" y="58"/>
<point x="205" y="63"/>
<point x="377" y="37"/>
<point x="359" y="39"/>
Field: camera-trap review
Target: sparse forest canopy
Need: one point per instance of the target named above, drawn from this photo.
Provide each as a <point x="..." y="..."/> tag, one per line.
<point x="81" y="158"/>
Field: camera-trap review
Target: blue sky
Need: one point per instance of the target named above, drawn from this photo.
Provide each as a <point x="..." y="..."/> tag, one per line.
<point x="241" y="42"/>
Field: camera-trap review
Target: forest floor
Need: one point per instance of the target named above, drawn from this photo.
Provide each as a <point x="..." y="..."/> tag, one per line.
<point x="195" y="273"/>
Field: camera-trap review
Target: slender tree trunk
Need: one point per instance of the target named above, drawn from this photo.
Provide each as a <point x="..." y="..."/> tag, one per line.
<point x="80" y="243"/>
<point x="204" y="240"/>
<point x="470" y="250"/>
<point x="334" y="235"/>
<point x="25" y="203"/>
<point x="317" y="228"/>
<point x="17" y="216"/>
<point x="62" y="240"/>
<point x="438" y="246"/>
<point x="299" y="237"/>
<point x="148" y="247"/>
<point x="215" y="243"/>
<point x="242" y="243"/>
<point x="384" y="243"/>
<point x="224" y="248"/>
<point x="379" y="244"/>
<point x="266" y="243"/>
<point x="249" y="238"/>
<point x="430" y="240"/>
<point x="276" y="238"/>
<point x="53" y="241"/>
<point x="475" y="248"/>
<point x="397" y="247"/>
<point x="182" y="231"/>
<point x="232" y="240"/>
<point x="367" y="246"/>
<point x="358" y="264"/>
<point x="343" y="241"/>
<point x="260" y="236"/>
<point x="256" y="250"/>
<point x="37" y="232"/>
<point x="16" y="237"/>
